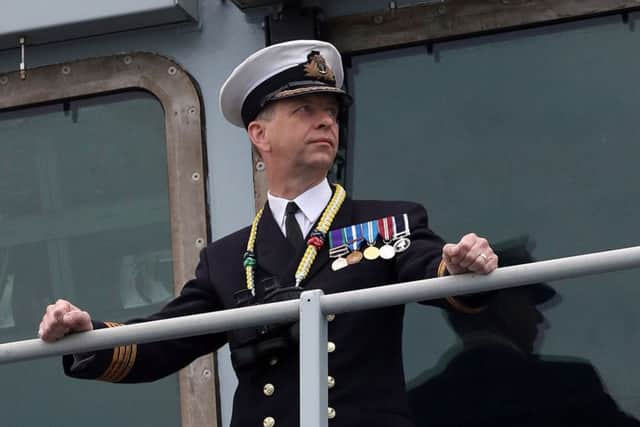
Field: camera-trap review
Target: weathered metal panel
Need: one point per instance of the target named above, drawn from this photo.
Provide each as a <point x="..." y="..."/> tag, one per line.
<point x="246" y="4"/>
<point x="259" y="180"/>
<point x="42" y="21"/>
<point x="183" y="120"/>
<point x="448" y="19"/>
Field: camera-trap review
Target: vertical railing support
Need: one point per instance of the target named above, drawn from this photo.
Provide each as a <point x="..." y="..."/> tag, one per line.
<point x="314" y="393"/>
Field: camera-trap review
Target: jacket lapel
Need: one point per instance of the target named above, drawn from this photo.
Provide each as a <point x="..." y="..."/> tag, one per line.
<point x="275" y="255"/>
<point x="273" y="251"/>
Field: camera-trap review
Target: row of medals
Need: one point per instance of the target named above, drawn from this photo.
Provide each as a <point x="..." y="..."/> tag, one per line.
<point x="389" y="249"/>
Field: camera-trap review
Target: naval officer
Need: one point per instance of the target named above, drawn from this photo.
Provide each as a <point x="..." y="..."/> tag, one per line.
<point x="309" y="235"/>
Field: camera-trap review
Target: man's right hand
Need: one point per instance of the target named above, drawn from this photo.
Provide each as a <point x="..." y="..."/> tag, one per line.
<point x="61" y="319"/>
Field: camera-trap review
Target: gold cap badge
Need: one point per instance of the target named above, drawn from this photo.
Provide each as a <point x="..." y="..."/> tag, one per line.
<point x="317" y="68"/>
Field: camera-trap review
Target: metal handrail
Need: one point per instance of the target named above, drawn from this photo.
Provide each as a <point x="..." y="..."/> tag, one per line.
<point x="381" y="296"/>
<point x="311" y="309"/>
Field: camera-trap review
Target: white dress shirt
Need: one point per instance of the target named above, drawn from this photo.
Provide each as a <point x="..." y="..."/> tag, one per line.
<point x="311" y="203"/>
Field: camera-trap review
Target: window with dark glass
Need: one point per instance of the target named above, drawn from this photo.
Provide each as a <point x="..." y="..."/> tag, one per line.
<point x="528" y="138"/>
<point x="84" y="216"/>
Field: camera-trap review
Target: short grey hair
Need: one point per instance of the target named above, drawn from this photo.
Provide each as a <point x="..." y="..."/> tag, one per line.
<point x="267" y="112"/>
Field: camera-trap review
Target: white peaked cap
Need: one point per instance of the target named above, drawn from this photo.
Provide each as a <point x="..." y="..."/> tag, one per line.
<point x="280" y="71"/>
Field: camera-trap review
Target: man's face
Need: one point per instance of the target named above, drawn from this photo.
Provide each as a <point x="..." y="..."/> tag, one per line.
<point x="303" y="133"/>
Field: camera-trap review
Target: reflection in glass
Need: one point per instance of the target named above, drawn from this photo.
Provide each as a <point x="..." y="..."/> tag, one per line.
<point x="144" y="279"/>
<point x="84" y="215"/>
<point x="529" y="132"/>
<point x="6" y="308"/>
<point x="493" y="377"/>
<point x="6" y="292"/>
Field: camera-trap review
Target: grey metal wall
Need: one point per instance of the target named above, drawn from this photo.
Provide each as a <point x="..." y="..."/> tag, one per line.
<point x="208" y="51"/>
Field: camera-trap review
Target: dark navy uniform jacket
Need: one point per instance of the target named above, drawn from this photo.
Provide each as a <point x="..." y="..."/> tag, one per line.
<point x="366" y="364"/>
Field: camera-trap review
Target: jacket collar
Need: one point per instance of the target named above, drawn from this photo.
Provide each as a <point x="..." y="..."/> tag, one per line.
<point x="311" y="203"/>
<point x="276" y="256"/>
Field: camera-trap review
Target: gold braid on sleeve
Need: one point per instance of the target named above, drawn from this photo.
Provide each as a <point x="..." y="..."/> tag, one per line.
<point x="453" y="301"/>
<point x="121" y="362"/>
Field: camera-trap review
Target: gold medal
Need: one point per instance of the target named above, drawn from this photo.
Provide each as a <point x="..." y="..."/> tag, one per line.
<point x="354" y="240"/>
<point x="371" y="253"/>
<point x="354" y="257"/>
<point x="370" y="232"/>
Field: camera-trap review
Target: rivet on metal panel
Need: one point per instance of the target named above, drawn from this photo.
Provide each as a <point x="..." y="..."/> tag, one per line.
<point x="66" y="70"/>
<point x="260" y="166"/>
<point x="127" y="60"/>
<point x="378" y="19"/>
<point x="393" y="7"/>
<point x="4" y="80"/>
<point x="200" y="242"/>
<point x="195" y="176"/>
<point x="206" y="373"/>
<point x="172" y="71"/>
<point x="23" y="69"/>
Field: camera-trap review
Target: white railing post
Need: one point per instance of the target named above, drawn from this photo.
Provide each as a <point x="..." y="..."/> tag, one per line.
<point x="314" y="395"/>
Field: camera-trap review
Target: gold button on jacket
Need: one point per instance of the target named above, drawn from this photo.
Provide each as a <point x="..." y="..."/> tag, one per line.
<point x="268" y="389"/>
<point x="331" y="413"/>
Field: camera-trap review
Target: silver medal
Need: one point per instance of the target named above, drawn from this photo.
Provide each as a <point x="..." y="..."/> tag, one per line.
<point x="339" y="264"/>
<point x="387" y="252"/>
<point x="402" y="244"/>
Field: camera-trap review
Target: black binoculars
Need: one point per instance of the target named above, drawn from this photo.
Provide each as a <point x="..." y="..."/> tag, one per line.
<point x="251" y="346"/>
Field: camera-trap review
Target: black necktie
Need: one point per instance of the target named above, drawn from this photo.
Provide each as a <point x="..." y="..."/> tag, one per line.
<point x="292" y="228"/>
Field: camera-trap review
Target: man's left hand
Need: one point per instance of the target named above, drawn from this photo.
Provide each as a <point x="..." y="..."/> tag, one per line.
<point x="471" y="255"/>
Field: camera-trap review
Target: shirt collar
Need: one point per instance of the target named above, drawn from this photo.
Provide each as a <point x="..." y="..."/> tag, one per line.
<point x="311" y="203"/>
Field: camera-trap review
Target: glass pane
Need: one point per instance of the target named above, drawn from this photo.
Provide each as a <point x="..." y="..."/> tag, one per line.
<point x="529" y="138"/>
<point x="84" y="215"/>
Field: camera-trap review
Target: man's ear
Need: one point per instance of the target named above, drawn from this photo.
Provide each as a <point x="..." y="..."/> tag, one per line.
<point x="258" y="134"/>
